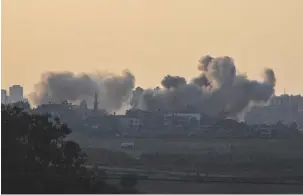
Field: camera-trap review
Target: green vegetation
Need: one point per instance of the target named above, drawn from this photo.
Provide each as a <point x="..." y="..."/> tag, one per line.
<point x="36" y="157"/>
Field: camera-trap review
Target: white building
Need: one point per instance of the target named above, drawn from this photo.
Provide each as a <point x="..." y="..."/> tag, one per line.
<point x="3" y="96"/>
<point x="15" y="93"/>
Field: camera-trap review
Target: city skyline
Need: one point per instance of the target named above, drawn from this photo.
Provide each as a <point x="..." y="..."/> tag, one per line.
<point x="13" y="94"/>
<point x="8" y="92"/>
<point x="88" y="36"/>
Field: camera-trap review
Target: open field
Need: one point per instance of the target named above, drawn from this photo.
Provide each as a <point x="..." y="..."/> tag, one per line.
<point x="167" y="187"/>
<point x="218" y="156"/>
<point x="288" y="148"/>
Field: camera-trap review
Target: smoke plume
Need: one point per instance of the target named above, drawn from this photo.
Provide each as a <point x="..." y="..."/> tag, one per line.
<point x="172" y="81"/>
<point x="218" y="90"/>
<point x="112" y="90"/>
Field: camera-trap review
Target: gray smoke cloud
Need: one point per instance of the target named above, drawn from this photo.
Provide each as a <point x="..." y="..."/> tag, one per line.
<point x="136" y="95"/>
<point x="56" y="87"/>
<point x="172" y="81"/>
<point x="269" y="77"/>
<point x="218" y="90"/>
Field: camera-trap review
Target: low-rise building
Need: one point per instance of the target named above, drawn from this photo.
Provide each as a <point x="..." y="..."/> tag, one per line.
<point x="128" y="123"/>
<point x="150" y="121"/>
<point x="284" y="108"/>
<point x="182" y="120"/>
<point x="265" y="132"/>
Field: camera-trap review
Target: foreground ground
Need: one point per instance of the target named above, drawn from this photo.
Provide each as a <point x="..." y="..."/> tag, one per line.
<point x="168" y="187"/>
<point x="287" y="148"/>
<point x="223" y="156"/>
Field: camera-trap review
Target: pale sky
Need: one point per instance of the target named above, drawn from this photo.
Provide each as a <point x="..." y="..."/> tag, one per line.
<point x="151" y="38"/>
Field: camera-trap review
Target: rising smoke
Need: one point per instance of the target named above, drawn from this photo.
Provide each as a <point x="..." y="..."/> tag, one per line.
<point x="217" y="90"/>
<point x="173" y="81"/>
<point x="112" y="89"/>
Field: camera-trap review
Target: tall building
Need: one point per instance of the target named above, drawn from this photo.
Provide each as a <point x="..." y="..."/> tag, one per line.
<point x="16" y="93"/>
<point x="3" y="96"/>
<point x="96" y="102"/>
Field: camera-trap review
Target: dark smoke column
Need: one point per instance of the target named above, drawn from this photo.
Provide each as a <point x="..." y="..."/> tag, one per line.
<point x="217" y="89"/>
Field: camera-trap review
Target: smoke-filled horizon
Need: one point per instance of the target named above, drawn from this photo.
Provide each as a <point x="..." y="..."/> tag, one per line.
<point x="112" y="89"/>
<point x="218" y="89"/>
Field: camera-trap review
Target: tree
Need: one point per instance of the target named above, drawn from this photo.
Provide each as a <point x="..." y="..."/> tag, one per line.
<point x="36" y="158"/>
<point x="22" y="105"/>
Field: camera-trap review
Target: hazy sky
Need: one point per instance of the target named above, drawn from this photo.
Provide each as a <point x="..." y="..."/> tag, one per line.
<point x="151" y="38"/>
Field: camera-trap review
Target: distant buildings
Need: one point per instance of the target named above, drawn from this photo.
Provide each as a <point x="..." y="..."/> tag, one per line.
<point x="284" y="108"/>
<point x="3" y="96"/>
<point x="265" y="132"/>
<point x="129" y="123"/>
<point x="182" y="120"/>
<point x="16" y="93"/>
<point x="287" y="109"/>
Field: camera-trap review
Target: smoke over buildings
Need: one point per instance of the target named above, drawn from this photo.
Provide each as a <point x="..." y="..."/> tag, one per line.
<point x="218" y="89"/>
<point x="56" y="87"/>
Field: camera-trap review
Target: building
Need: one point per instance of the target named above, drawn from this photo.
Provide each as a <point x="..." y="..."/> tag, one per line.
<point x="15" y="93"/>
<point x="286" y="100"/>
<point x="129" y="122"/>
<point x="284" y="108"/>
<point x="182" y="120"/>
<point x="300" y="107"/>
<point x="265" y="132"/>
<point x="96" y="103"/>
<point x="3" y="96"/>
<point x="150" y="121"/>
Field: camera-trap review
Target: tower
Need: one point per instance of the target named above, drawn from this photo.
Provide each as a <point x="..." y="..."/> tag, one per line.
<point x="3" y="96"/>
<point x="96" y="102"/>
<point x="16" y="93"/>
